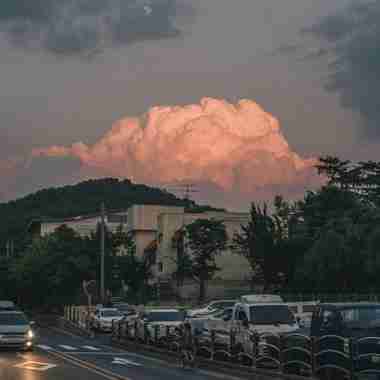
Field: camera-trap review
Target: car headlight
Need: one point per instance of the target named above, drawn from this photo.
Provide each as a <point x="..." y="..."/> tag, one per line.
<point x="30" y="334"/>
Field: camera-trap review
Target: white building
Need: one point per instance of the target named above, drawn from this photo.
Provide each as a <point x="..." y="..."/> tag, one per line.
<point x="83" y="225"/>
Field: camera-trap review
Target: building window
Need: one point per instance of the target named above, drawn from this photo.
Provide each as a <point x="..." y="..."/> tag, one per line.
<point x="160" y="267"/>
<point x="160" y="237"/>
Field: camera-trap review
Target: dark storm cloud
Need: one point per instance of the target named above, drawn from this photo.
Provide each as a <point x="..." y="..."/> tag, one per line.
<point x="354" y="36"/>
<point x="81" y="26"/>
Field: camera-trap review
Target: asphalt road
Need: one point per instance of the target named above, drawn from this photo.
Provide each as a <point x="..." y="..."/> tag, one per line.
<point x="62" y="356"/>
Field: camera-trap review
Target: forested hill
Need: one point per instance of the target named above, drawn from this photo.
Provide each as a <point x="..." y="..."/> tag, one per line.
<point x="80" y="199"/>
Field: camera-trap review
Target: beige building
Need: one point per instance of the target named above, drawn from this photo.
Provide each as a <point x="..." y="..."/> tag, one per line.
<point x="142" y="222"/>
<point x="155" y="228"/>
<point x="233" y="266"/>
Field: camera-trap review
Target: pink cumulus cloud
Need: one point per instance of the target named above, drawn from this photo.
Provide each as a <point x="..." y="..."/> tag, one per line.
<point x="236" y="148"/>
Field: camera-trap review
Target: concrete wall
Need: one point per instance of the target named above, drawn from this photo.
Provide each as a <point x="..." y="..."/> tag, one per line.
<point x="168" y="224"/>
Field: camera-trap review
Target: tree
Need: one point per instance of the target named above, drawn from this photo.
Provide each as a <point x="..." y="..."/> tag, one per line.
<point x="51" y="270"/>
<point x="343" y="255"/>
<point x="133" y="272"/>
<point x="336" y="171"/>
<point x="259" y="242"/>
<point x="205" y="239"/>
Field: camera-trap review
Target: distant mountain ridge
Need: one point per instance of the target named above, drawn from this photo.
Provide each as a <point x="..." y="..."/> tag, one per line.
<point x="81" y="199"/>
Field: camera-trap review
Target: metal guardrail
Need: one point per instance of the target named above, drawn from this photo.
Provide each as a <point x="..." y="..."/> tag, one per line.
<point x="329" y="357"/>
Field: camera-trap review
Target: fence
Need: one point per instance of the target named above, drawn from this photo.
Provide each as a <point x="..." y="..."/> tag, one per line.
<point x="329" y="357"/>
<point x="78" y="315"/>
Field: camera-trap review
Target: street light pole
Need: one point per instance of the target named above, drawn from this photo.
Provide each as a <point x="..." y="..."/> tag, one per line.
<point x="102" y="289"/>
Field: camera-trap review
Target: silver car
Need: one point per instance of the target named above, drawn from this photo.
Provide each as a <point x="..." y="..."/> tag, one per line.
<point x="15" y="330"/>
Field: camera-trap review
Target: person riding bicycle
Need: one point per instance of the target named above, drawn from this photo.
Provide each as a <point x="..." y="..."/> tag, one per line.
<point x="187" y="351"/>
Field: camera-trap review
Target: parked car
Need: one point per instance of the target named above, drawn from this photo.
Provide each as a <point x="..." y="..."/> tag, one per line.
<point x="259" y="298"/>
<point x="350" y="320"/>
<point x="198" y="322"/>
<point x="252" y="318"/>
<point x="348" y="330"/>
<point x="16" y="330"/>
<point x="125" y="309"/>
<point x="7" y="305"/>
<point x="103" y="318"/>
<point x="210" y="308"/>
<point x="160" y="319"/>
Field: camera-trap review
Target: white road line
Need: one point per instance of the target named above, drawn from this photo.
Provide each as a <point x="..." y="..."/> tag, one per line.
<point x="123" y="361"/>
<point x="98" y="353"/>
<point x="91" y="348"/>
<point x="43" y="347"/>
<point x="69" y="348"/>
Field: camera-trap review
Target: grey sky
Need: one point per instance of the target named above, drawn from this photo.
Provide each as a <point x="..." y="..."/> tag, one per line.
<point x="71" y="84"/>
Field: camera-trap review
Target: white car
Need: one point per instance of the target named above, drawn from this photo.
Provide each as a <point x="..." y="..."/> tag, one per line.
<point x="246" y="319"/>
<point x="103" y="318"/>
<point x="198" y="322"/>
<point x="159" y="320"/>
<point x="210" y="308"/>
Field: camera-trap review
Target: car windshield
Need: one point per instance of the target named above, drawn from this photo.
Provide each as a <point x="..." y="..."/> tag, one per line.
<point x="165" y="316"/>
<point x="123" y="307"/>
<point x="366" y="316"/>
<point x="271" y="314"/>
<point x="13" y="319"/>
<point x="111" y="313"/>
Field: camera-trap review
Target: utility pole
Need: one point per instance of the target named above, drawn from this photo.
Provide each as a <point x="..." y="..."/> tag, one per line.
<point x="102" y="291"/>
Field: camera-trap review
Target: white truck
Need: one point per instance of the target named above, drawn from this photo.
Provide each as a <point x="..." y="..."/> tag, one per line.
<point x="247" y="318"/>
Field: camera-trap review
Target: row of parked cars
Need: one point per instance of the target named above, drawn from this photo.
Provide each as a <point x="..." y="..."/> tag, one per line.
<point x="261" y="313"/>
<point x="264" y="313"/>
<point x="16" y="330"/>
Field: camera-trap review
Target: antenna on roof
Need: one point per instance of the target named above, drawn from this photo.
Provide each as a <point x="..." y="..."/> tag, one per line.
<point x="184" y="189"/>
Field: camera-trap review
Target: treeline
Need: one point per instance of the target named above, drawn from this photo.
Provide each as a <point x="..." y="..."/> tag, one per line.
<point x="51" y="270"/>
<point x="329" y="242"/>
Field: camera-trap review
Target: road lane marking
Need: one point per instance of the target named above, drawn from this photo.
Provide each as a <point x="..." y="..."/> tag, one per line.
<point x="123" y="361"/>
<point x="89" y="366"/>
<point x="94" y="353"/>
<point x="43" y="347"/>
<point x="36" y="366"/>
<point x="68" y="348"/>
<point x="91" y="348"/>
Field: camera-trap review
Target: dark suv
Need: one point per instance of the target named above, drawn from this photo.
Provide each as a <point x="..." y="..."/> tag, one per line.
<point x="350" y="320"/>
<point x="347" y="340"/>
